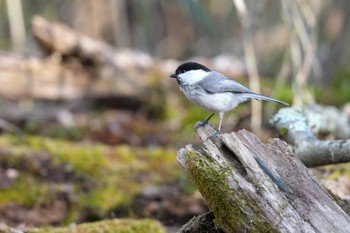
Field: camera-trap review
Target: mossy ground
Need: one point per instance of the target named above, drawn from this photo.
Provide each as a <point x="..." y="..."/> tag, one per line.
<point x="332" y="172"/>
<point x="107" y="226"/>
<point x="102" y="177"/>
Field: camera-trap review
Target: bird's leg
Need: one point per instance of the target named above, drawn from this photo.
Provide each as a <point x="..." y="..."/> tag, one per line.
<point x="206" y="121"/>
<point x="214" y="135"/>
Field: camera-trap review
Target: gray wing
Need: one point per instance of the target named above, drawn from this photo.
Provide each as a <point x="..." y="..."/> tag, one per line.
<point x="218" y="83"/>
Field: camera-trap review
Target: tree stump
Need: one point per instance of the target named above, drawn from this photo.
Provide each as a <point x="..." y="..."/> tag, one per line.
<point x="256" y="187"/>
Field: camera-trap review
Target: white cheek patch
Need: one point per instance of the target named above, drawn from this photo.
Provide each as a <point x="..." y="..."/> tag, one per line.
<point x="193" y="76"/>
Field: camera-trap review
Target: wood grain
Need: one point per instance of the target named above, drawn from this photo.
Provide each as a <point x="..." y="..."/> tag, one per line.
<point x="244" y="197"/>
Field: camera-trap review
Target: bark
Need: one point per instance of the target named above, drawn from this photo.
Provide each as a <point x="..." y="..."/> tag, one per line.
<point x="296" y="124"/>
<point x="256" y="187"/>
<point x="200" y="224"/>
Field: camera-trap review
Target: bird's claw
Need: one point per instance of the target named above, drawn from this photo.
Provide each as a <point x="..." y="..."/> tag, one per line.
<point x="214" y="135"/>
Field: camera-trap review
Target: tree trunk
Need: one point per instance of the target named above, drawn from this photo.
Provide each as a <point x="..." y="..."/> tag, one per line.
<point x="256" y="187"/>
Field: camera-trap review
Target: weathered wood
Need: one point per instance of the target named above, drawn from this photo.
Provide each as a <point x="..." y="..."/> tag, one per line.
<point x="52" y="79"/>
<point x="231" y="174"/>
<point x="298" y="125"/>
<point x="327" y="120"/>
<point x="77" y="66"/>
<point x="34" y="77"/>
<point x="60" y="38"/>
<point x="201" y="224"/>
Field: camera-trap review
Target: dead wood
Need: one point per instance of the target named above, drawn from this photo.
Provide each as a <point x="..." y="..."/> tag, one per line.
<point x="60" y="38"/>
<point x="22" y="77"/>
<point x="256" y="187"/>
<point x="299" y="125"/>
<point x="52" y="79"/>
<point x="203" y="223"/>
<point x="77" y="66"/>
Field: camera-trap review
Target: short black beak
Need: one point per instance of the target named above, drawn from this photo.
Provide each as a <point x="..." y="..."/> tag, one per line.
<point x="173" y="76"/>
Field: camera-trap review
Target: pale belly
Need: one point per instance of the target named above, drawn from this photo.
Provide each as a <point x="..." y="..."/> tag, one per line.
<point x="218" y="103"/>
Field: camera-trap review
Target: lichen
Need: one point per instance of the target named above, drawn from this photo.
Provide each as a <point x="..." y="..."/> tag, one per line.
<point x="108" y="226"/>
<point x="226" y="203"/>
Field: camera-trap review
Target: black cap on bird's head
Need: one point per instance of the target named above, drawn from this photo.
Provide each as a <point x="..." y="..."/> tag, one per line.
<point x="188" y="66"/>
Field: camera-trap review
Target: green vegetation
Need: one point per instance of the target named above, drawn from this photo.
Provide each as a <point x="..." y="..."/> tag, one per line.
<point x="102" y="178"/>
<point x="211" y="180"/>
<point x="333" y="171"/>
<point x="56" y="131"/>
<point x="26" y="191"/>
<point x="337" y="92"/>
<point x="340" y="86"/>
<point x="108" y="226"/>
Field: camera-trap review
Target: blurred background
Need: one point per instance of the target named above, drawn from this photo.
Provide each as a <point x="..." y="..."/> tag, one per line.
<point x="90" y="122"/>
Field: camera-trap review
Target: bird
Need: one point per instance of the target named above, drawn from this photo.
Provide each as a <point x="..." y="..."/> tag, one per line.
<point x="213" y="91"/>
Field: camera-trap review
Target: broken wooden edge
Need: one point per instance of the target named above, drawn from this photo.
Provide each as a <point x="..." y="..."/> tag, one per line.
<point x="244" y="197"/>
<point x="294" y="124"/>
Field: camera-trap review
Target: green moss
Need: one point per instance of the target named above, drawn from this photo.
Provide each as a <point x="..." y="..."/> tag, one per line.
<point x="340" y="85"/>
<point x="83" y="158"/>
<point x="101" y="200"/>
<point x="337" y="91"/>
<point x="211" y="180"/>
<point x="55" y="131"/>
<point x="108" y="226"/>
<point x="333" y="171"/>
<point x="284" y="132"/>
<point x="26" y="191"/>
<point x="104" y="177"/>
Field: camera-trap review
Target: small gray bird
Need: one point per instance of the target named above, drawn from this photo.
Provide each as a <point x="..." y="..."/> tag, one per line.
<point x="213" y="91"/>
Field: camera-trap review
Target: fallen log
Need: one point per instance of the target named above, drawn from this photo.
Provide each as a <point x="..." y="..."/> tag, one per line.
<point x="51" y="79"/>
<point x="33" y="77"/>
<point x="76" y="66"/>
<point x="256" y="187"/>
<point x="299" y="125"/>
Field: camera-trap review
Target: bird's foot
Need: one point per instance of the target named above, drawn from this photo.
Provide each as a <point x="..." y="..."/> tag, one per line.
<point x="201" y="124"/>
<point x="214" y="135"/>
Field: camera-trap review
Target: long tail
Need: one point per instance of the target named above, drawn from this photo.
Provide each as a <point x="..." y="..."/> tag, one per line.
<point x="262" y="97"/>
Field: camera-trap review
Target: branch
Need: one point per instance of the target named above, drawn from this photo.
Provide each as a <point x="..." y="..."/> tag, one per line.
<point x="296" y="124"/>
<point x="255" y="187"/>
